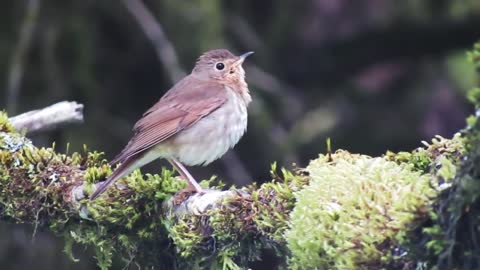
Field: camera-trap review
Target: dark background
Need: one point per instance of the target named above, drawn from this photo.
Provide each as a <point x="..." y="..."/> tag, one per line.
<point x="374" y="75"/>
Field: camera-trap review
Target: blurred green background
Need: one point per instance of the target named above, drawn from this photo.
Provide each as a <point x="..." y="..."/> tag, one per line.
<point x="374" y="75"/>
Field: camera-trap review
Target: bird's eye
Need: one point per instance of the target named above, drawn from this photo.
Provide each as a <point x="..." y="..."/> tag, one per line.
<point x="219" y="66"/>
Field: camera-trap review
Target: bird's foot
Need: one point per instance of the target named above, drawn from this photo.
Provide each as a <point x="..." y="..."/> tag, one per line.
<point x="183" y="194"/>
<point x="193" y="186"/>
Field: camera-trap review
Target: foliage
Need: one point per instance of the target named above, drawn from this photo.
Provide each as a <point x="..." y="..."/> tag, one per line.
<point x="355" y="211"/>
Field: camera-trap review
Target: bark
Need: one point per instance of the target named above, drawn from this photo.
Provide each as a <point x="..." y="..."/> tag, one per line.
<point x="49" y="118"/>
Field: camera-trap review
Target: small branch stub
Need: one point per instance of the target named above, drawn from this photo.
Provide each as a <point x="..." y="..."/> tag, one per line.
<point x="198" y="203"/>
<point x="49" y="118"/>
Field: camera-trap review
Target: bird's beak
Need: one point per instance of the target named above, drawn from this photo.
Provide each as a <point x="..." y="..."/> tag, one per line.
<point x="242" y="58"/>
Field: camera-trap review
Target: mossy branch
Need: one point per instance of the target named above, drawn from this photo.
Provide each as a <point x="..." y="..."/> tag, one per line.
<point x="344" y="211"/>
<point x="141" y="216"/>
<point x="407" y="210"/>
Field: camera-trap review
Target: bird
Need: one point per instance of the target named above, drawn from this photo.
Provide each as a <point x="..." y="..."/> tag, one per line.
<point x="195" y="122"/>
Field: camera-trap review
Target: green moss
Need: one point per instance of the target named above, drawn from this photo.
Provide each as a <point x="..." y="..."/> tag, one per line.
<point x="419" y="159"/>
<point x="452" y="235"/>
<point x="431" y="157"/>
<point x="474" y="95"/>
<point x="344" y="211"/>
<point x="355" y="211"/>
<point x="240" y="228"/>
<point x="129" y="219"/>
<point x="224" y="236"/>
<point x="186" y="235"/>
<point x="474" y="55"/>
<point x="5" y="125"/>
<point x="275" y="200"/>
<point x="35" y="185"/>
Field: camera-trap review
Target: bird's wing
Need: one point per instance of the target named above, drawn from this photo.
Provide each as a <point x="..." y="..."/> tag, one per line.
<point x="187" y="102"/>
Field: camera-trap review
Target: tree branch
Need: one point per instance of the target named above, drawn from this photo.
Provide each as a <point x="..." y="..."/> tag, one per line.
<point x="49" y="118"/>
<point x="49" y="189"/>
<point x="154" y="222"/>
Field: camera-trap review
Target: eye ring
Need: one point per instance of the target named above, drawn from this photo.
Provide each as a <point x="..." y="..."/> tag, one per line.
<point x="220" y="66"/>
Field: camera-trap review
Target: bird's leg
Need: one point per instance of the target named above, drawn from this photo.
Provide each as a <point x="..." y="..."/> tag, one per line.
<point x="185" y="174"/>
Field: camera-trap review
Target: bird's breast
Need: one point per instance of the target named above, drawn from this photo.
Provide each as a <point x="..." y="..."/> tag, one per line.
<point x="212" y="136"/>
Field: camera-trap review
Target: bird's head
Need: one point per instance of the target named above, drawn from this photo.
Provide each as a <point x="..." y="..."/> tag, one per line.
<point x="221" y="65"/>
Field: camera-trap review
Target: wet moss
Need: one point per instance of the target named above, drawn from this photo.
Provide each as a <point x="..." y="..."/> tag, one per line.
<point x="36" y="185"/>
<point x="453" y="235"/>
<point x="5" y="125"/>
<point x="448" y="239"/>
<point x="344" y="211"/>
<point x="236" y="232"/>
<point x="275" y="201"/>
<point x="428" y="158"/>
<point x="129" y="221"/>
<point x="355" y="211"/>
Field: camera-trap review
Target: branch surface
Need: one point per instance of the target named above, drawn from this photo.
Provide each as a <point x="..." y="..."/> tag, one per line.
<point x="49" y="118"/>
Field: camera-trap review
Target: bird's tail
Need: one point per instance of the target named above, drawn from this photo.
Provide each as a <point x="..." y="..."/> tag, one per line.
<point x="125" y="168"/>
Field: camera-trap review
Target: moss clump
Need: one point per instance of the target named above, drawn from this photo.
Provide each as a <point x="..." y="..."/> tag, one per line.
<point x="433" y="155"/>
<point x="5" y="125"/>
<point x="474" y="57"/>
<point x="355" y="212"/>
<point x="31" y="181"/>
<point x="440" y="160"/>
<point x="128" y="219"/>
<point x="275" y="201"/>
<point x="36" y="185"/>
<point x="236" y="232"/>
<point x="454" y="235"/>
<point x="223" y="238"/>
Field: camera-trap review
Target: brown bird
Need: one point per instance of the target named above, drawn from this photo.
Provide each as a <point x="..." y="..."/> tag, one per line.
<point x="194" y="123"/>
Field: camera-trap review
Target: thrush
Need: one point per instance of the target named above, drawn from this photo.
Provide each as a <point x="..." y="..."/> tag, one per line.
<point x="196" y="122"/>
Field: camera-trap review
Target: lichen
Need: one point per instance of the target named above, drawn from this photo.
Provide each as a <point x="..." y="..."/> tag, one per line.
<point x="355" y="212"/>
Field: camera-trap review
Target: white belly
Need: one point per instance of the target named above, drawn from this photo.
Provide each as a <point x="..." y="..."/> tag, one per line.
<point x="212" y="136"/>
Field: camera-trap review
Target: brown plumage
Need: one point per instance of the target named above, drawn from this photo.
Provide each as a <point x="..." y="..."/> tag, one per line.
<point x="194" y="123"/>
